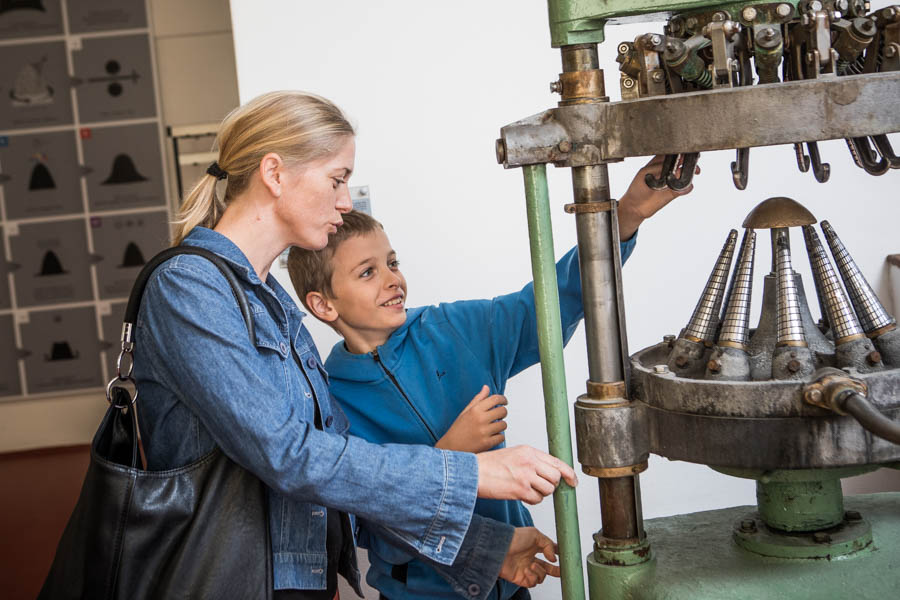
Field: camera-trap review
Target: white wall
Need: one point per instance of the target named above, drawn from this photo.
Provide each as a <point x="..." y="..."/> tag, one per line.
<point x="429" y="86"/>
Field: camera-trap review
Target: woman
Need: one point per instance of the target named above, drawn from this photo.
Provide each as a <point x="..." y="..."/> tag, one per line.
<point x="287" y="157"/>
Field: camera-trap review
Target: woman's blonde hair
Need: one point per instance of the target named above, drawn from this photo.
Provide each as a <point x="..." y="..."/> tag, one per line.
<point x="297" y="126"/>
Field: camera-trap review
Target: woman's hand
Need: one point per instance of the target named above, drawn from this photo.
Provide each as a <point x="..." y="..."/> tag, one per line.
<point x="521" y="473"/>
<point x="641" y="202"/>
<point x="521" y="566"/>
<point x="479" y="426"/>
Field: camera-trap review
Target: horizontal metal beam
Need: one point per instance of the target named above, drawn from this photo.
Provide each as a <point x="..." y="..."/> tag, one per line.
<point x="722" y="119"/>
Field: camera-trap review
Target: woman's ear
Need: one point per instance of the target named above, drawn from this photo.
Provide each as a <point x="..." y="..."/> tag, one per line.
<point x="321" y="307"/>
<point x="271" y="172"/>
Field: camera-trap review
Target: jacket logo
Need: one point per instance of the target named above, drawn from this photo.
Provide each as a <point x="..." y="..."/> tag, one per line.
<point x="440" y="374"/>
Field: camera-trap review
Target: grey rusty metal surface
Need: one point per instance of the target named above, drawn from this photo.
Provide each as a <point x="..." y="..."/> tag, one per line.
<point x="837" y="107"/>
<point x="611" y="437"/>
<point x="888" y="345"/>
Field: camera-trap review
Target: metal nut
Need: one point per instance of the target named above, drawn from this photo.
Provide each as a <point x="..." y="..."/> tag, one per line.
<point x="714" y="366"/>
<point x="500" y="149"/>
<point x="853" y="515"/>
<point x="623" y="48"/>
<point x="657" y="76"/>
<point x="655" y="40"/>
<point x="720" y="16"/>
<point x="749" y="13"/>
<point x="793" y="366"/>
<point x="661" y="369"/>
<point x="890" y="50"/>
<point x="813" y="396"/>
<point x="564" y="146"/>
<point x="815" y="5"/>
<point x="873" y="357"/>
<point x="556" y="87"/>
<point x="628" y="83"/>
<point x="784" y="10"/>
<point x="669" y="339"/>
<point x="748" y="525"/>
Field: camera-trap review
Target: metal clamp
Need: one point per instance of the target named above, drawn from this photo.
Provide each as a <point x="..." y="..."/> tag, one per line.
<point x="590" y="207"/>
<point x="829" y="386"/>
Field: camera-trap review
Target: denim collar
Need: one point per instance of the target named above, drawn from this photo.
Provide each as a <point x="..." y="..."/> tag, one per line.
<point x="224" y="247"/>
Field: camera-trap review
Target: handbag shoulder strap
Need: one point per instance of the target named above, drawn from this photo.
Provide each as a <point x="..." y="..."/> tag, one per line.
<point x="137" y="290"/>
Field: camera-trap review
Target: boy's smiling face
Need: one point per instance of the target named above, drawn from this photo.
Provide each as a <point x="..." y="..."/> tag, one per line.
<point x="369" y="292"/>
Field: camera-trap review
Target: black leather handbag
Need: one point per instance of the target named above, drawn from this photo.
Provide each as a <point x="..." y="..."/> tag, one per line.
<point x="198" y="531"/>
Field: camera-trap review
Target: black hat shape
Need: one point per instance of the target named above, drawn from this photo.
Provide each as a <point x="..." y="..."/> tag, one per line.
<point x="123" y="171"/>
<point x="51" y="265"/>
<point x="8" y="5"/>
<point x="41" y="178"/>
<point x="132" y="257"/>
<point x="61" y="351"/>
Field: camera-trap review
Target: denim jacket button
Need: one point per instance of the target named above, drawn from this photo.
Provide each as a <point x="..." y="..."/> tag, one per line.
<point x="283" y="347"/>
<point x="474" y="589"/>
<point x="311" y="362"/>
<point x="329" y="420"/>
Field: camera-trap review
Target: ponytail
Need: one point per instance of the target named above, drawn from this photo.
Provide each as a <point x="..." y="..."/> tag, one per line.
<point x="297" y="126"/>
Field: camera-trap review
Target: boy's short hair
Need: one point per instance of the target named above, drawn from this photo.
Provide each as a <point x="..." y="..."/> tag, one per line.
<point x="311" y="270"/>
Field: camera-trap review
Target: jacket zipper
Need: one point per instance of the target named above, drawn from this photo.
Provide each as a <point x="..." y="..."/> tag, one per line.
<point x="402" y="393"/>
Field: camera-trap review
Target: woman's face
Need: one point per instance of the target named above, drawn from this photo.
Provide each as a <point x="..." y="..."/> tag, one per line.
<point x="314" y="196"/>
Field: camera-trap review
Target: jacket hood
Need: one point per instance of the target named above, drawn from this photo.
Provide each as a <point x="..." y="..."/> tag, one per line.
<point x="343" y="364"/>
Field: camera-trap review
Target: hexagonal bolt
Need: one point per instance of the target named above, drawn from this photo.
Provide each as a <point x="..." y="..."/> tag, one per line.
<point x="842" y="5"/>
<point x="564" y="146"/>
<point x="714" y="366"/>
<point x="720" y="16"/>
<point x="794" y="366"/>
<point x="820" y="537"/>
<point x="655" y="40"/>
<point x="657" y="76"/>
<point x="784" y="10"/>
<point x="669" y="338"/>
<point x="813" y="396"/>
<point x="623" y="48"/>
<point x="873" y="357"/>
<point x="660" y="369"/>
<point x="748" y="525"/>
<point x="891" y="50"/>
<point x="556" y="87"/>
<point x="749" y="14"/>
<point x="628" y="83"/>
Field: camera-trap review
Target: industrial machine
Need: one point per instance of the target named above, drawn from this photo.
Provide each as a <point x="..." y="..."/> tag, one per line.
<point x="793" y="403"/>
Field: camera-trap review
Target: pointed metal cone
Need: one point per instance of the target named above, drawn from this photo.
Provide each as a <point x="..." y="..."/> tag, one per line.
<point x="705" y="319"/>
<point x="735" y="330"/>
<point x="788" y="323"/>
<point x="836" y="306"/>
<point x="871" y="313"/>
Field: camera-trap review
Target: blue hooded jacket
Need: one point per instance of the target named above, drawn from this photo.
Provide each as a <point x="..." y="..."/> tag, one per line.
<point x="411" y="389"/>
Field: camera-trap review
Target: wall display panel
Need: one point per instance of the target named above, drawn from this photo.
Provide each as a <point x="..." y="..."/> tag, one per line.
<point x="103" y="15"/>
<point x="112" y="315"/>
<point x="62" y="350"/>
<point x="113" y="79"/>
<point x="125" y="167"/>
<point x="4" y="276"/>
<point x="28" y="18"/>
<point x="40" y="175"/>
<point x="34" y="86"/>
<point x="122" y="244"/>
<point x="9" y="365"/>
<point x="52" y="263"/>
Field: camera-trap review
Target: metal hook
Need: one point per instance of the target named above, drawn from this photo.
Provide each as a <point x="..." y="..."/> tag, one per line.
<point x="688" y="164"/>
<point x="821" y="171"/>
<point x="883" y="144"/>
<point x="802" y="158"/>
<point x="668" y="165"/>
<point x="866" y="157"/>
<point x="740" y="168"/>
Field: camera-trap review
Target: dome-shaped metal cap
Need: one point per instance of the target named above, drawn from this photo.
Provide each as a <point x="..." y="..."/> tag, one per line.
<point x="778" y="212"/>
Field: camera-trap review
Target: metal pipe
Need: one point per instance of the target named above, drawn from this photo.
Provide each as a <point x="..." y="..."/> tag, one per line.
<point x="871" y="418"/>
<point x="618" y="510"/>
<point x="553" y="375"/>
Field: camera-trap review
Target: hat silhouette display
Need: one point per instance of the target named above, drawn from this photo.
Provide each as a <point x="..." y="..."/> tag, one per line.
<point x="132" y="256"/>
<point x="123" y="171"/>
<point x="30" y="87"/>
<point x="51" y="265"/>
<point x="41" y="178"/>
<point x="8" y="5"/>
<point x="60" y="351"/>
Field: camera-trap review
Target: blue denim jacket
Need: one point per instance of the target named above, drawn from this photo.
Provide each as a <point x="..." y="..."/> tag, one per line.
<point x="202" y="383"/>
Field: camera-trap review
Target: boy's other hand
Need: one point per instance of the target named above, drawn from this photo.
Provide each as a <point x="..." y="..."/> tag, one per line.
<point x="479" y="426"/>
<point x="521" y="473"/>
<point x="521" y="566"/>
<point x="641" y="202"/>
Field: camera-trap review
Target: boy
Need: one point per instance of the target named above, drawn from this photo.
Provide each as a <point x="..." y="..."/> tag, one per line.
<point x="405" y="376"/>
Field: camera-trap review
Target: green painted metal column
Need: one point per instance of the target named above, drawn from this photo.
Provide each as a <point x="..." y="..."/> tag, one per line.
<point x="556" y="406"/>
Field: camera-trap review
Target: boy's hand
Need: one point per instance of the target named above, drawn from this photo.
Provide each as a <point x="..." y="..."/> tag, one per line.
<point x="521" y="473"/>
<point x="479" y="426"/>
<point x="521" y="566"/>
<point x="641" y="202"/>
